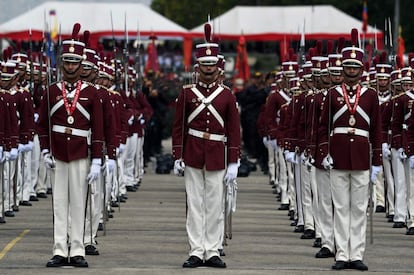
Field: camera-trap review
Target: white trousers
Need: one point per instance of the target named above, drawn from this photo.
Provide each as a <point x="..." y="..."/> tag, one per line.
<point x="69" y="187"/>
<point x="205" y="211"/>
<point x="283" y="177"/>
<point x="409" y="179"/>
<point x="139" y="160"/>
<point x="271" y="162"/>
<point x="350" y="198"/>
<point x="400" y="190"/>
<point x="389" y="182"/>
<point x="24" y="184"/>
<point x="130" y="155"/>
<point x="121" y="175"/>
<point x="94" y="202"/>
<point x="307" y="180"/>
<point x="9" y="181"/>
<point x="325" y="209"/>
<point x="36" y="163"/>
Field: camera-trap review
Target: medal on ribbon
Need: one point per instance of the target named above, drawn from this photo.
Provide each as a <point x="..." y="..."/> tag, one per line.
<point x="351" y="109"/>
<point x="70" y="107"/>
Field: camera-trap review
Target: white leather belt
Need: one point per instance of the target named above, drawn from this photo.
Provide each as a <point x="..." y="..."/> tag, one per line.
<point x="73" y="132"/>
<point x="205" y="135"/>
<point x="351" y="131"/>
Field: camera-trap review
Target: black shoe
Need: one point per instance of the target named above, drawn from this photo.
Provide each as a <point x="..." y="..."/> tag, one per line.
<point x="380" y="209"/>
<point x="78" y="261"/>
<point x="308" y="234"/>
<point x="114" y="204"/>
<point x="391" y="218"/>
<point x="324" y="253"/>
<point x="24" y="203"/>
<point x="100" y="227"/>
<point x="293" y="223"/>
<point x="33" y="198"/>
<point x="41" y="195"/>
<point x="340" y="265"/>
<point x="359" y="265"/>
<point x="215" y="261"/>
<point x="222" y="253"/>
<point x="124" y="196"/>
<point x="299" y="229"/>
<point x="91" y="250"/>
<point x="131" y="188"/>
<point x="57" y="261"/>
<point x="193" y="262"/>
<point x="399" y="225"/>
<point x="2" y="220"/>
<point x="49" y="191"/>
<point x="410" y="231"/>
<point x="272" y="182"/>
<point x="9" y="213"/>
<point x="110" y="215"/>
<point x="284" y="206"/>
<point x="121" y="199"/>
<point x="317" y="242"/>
<point x="15" y="208"/>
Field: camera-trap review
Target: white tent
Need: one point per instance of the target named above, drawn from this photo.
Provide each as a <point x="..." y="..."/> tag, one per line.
<point x="278" y="23"/>
<point x="95" y="17"/>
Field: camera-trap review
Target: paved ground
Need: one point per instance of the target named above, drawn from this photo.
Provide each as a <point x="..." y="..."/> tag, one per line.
<point x="148" y="237"/>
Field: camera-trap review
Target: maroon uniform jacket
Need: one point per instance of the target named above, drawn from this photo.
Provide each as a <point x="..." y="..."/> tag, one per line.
<point x="145" y="109"/>
<point x="386" y="109"/>
<point x="11" y="130"/>
<point x="69" y="141"/>
<point x="293" y="135"/>
<point x="26" y="115"/>
<point x="401" y="115"/>
<point x="199" y="152"/>
<point x="350" y="144"/>
<point x="315" y="117"/>
<point x="274" y="103"/>
<point x="109" y="126"/>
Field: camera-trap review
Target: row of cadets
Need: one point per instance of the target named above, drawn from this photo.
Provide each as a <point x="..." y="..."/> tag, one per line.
<point x="94" y="215"/>
<point x="400" y="141"/>
<point x="139" y="112"/>
<point x="8" y="136"/>
<point x="71" y="138"/>
<point x="12" y="97"/>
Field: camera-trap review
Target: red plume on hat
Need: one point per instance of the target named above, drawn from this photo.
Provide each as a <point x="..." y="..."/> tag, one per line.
<point x="354" y="37"/>
<point x="75" y="31"/>
<point x="398" y="62"/>
<point x="376" y="60"/>
<point x="383" y="57"/>
<point x="366" y="66"/>
<point x="311" y="53"/>
<point x="18" y="46"/>
<point x="291" y="52"/>
<point x="86" y="35"/>
<point x="410" y="56"/>
<point x="330" y="47"/>
<point x="341" y="43"/>
<point x="207" y="32"/>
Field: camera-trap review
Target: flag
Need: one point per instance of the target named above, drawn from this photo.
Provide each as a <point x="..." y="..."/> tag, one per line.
<point x="54" y="32"/>
<point x="365" y="17"/>
<point x="152" y="60"/>
<point x="401" y="46"/>
<point x="241" y="68"/>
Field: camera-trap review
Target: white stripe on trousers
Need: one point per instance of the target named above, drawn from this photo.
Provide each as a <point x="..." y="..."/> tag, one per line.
<point x="204" y="214"/>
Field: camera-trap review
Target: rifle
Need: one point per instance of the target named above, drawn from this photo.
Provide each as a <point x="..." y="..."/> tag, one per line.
<point x="138" y="82"/>
<point x="391" y="46"/>
<point x="31" y="86"/>
<point x="302" y="56"/>
<point x="126" y="57"/>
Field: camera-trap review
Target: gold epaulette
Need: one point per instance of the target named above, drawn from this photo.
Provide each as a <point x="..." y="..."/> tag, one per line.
<point x="397" y="96"/>
<point x="113" y="91"/>
<point x="224" y="86"/>
<point x="24" y="89"/>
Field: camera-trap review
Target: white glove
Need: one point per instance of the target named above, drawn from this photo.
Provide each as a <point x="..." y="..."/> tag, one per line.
<point x="47" y="159"/>
<point x="412" y="162"/>
<point x="20" y="147"/>
<point x="386" y="153"/>
<point x="131" y="120"/>
<point x="290" y="157"/>
<point x="121" y="148"/>
<point x="265" y="141"/>
<point x="231" y="173"/>
<point x="14" y="153"/>
<point x="2" y="155"/>
<point x="28" y="147"/>
<point x="401" y="154"/>
<point x="36" y="117"/>
<point x="179" y="166"/>
<point x="110" y="164"/>
<point x="303" y="158"/>
<point x="142" y="121"/>
<point x="375" y="170"/>
<point x="273" y="143"/>
<point x="327" y="162"/>
<point x="94" y="170"/>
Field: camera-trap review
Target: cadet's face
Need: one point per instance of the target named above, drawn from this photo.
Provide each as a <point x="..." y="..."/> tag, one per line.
<point x="407" y="86"/>
<point x="352" y="74"/>
<point x="337" y="79"/>
<point x="383" y="83"/>
<point x="71" y="71"/>
<point x="208" y="73"/>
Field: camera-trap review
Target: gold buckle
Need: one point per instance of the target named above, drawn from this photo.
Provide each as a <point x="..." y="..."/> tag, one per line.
<point x="206" y="135"/>
<point x="68" y="131"/>
<point x="351" y="131"/>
